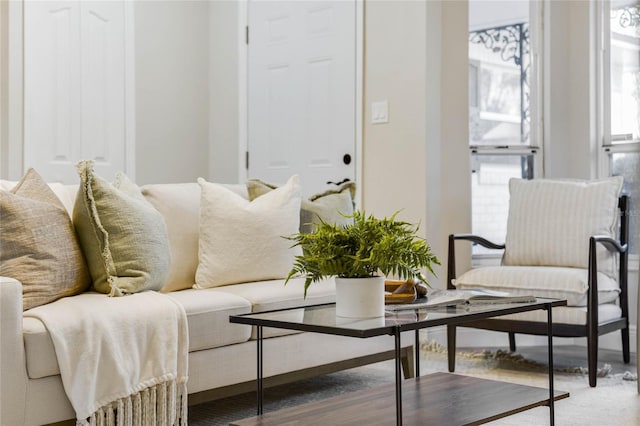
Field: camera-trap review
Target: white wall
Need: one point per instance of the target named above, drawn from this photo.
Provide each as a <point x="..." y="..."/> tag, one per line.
<point x="4" y="25"/>
<point x="226" y="51"/>
<point x="172" y="90"/>
<point x="11" y="78"/>
<point x="569" y="146"/>
<point x="426" y="87"/>
<point x="394" y="155"/>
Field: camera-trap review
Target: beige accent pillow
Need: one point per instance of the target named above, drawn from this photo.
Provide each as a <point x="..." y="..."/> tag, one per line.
<point x="550" y="222"/>
<point x="123" y="237"/>
<point x="179" y="204"/>
<point x="38" y="244"/>
<point x="330" y="206"/>
<point x="242" y="240"/>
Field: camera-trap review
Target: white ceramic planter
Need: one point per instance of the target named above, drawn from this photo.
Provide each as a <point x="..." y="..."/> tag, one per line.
<point x="360" y="297"/>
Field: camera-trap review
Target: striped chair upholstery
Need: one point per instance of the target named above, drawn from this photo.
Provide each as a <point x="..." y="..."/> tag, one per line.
<point x="547" y="253"/>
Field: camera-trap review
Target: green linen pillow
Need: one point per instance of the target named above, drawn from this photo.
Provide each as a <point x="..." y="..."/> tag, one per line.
<point x="124" y="238"/>
<point x="38" y="244"/>
<point x="330" y="206"/>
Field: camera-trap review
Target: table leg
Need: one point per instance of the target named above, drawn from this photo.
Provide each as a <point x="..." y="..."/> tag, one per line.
<point x="260" y="390"/>
<point x="550" y="350"/>
<point x="417" y="353"/>
<point x="398" y="378"/>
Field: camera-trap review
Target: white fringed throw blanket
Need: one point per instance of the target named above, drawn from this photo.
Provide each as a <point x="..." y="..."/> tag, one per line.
<point x="123" y="360"/>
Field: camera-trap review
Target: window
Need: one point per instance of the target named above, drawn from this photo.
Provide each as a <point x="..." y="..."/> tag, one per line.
<point x="620" y="93"/>
<point x="501" y="86"/>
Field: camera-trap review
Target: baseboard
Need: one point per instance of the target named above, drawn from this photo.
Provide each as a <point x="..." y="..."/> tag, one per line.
<point x="476" y="338"/>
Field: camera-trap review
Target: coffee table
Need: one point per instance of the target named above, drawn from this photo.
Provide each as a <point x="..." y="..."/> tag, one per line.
<point x="440" y="398"/>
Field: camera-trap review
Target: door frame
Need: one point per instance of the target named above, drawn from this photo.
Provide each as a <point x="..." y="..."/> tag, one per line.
<point x="243" y="101"/>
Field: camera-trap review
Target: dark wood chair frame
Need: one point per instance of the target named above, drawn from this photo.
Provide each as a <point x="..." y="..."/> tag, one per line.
<point x="591" y="330"/>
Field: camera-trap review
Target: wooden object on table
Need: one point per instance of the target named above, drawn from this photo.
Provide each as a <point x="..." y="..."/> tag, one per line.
<point x="403" y="291"/>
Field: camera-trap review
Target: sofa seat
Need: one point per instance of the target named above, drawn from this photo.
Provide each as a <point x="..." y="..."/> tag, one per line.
<point x="274" y="294"/>
<point x="207" y="316"/>
<point x="548" y="281"/>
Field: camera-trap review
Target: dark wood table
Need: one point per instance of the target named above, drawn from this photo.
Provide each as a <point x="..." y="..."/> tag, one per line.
<point x="440" y="398"/>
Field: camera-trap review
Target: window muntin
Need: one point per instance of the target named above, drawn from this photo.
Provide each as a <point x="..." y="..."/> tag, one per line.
<point x="499" y="86"/>
<point x="621" y="104"/>
<point x="490" y="174"/>
<point x="627" y="165"/>
<point x="624" y="71"/>
<point x="503" y="96"/>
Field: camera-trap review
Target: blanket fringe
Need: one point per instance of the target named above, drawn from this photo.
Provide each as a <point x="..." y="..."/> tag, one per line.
<point x="164" y="404"/>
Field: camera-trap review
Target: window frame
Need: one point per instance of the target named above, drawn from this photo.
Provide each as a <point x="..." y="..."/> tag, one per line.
<point x="606" y="148"/>
<point x="536" y="103"/>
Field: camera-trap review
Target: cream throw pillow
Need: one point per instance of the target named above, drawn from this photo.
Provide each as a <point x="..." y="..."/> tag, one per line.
<point x="330" y="206"/>
<point x="179" y="204"/>
<point x="38" y="244"/>
<point x="123" y="237"/>
<point x="242" y="240"/>
<point x="550" y="222"/>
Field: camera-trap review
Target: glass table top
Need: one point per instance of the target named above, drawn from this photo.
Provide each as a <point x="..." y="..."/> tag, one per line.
<point x="323" y="319"/>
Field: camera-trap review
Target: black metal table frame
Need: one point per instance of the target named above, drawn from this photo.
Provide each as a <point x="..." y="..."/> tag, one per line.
<point x="396" y="331"/>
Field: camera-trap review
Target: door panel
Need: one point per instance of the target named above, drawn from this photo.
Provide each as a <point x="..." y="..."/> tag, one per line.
<point x="74" y="86"/>
<point x="301" y="91"/>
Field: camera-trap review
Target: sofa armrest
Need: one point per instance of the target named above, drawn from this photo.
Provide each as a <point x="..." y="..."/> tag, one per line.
<point x="13" y="371"/>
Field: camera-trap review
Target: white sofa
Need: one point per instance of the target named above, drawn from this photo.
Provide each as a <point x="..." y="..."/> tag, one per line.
<point x="222" y="356"/>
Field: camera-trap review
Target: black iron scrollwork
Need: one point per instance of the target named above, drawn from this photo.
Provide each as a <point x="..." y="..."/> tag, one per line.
<point x="628" y="17"/>
<point x="512" y="42"/>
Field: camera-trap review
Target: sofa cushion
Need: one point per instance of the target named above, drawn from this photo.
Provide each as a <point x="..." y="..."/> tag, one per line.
<point x="242" y="240"/>
<point x="330" y="206"/>
<point x="550" y="222"/>
<point x="38" y="243"/>
<point x="124" y="238"/>
<point x="274" y="294"/>
<point x="65" y="193"/>
<point x="553" y="282"/>
<point x="179" y="205"/>
<point x="207" y="319"/>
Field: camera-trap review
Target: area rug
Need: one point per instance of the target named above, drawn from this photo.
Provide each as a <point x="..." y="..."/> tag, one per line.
<point x="614" y="401"/>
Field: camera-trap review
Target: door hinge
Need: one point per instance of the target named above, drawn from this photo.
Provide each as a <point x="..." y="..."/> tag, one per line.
<point x="246" y="34"/>
<point x="246" y="159"/>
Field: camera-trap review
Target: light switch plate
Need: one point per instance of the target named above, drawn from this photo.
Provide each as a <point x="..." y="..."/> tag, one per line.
<point x="379" y="112"/>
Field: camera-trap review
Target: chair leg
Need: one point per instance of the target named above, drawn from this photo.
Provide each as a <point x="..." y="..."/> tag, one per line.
<point x="592" y="357"/>
<point x="512" y="341"/>
<point x="626" y="357"/>
<point x="451" y="347"/>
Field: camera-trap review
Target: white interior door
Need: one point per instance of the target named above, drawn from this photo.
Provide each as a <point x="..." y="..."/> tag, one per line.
<point x="302" y="91"/>
<point x="74" y="87"/>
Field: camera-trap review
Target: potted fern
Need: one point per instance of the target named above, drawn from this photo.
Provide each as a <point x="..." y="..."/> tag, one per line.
<point x="360" y="256"/>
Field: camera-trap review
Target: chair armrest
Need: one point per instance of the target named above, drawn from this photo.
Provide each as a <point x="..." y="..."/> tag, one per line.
<point x="610" y="243"/>
<point x="477" y="239"/>
<point x="451" y="261"/>
<point x="613" y="245"/>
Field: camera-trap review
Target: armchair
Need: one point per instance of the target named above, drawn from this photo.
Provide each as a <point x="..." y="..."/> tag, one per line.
<point x="561" y="242"/>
